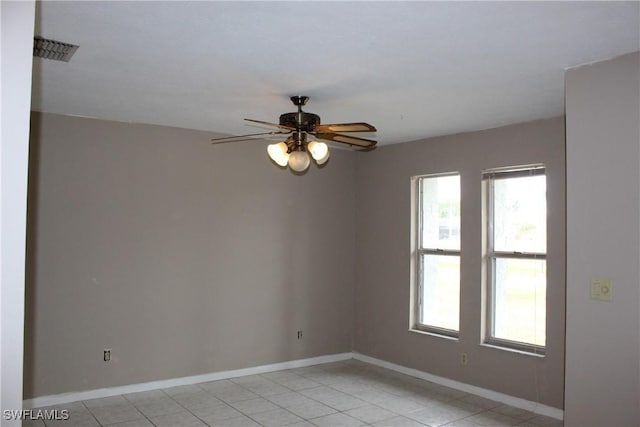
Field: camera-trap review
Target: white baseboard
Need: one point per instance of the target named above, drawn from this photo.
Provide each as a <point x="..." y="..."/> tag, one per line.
<point x="517" y="402"/>
<point x="58" y="399"/>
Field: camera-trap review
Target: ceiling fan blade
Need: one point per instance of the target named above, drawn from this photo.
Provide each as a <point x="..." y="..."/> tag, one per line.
<point x="271" y="124"/>
<point x="226" y="139"/>
<point x="346" y="127"/>
<point x="346" y="139"/>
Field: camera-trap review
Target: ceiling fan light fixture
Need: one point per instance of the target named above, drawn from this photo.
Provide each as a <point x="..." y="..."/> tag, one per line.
<point x="278" y="153"/>
<point x="299" y="161"/>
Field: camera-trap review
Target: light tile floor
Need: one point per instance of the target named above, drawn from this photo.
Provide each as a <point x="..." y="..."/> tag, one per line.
<point x="349" y="393"/>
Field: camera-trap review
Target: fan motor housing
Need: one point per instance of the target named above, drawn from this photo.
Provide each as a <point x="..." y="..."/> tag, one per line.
<point x="302" y="120"/>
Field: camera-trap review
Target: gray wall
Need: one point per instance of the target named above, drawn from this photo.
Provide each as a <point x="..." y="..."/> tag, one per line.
<point x="182" y="257"/>
<point x="603" y="241"/>
<point x="383" y="259"/>
<point x="186" y="258"/>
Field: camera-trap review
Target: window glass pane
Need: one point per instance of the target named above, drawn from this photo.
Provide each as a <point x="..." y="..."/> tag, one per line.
<point x="440" y="212"/>
<point x="520" y="300"/>
<point x="440" y="291"/>
<point x="520" y="214"/>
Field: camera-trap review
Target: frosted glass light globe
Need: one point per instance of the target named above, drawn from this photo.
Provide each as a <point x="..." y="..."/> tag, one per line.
<point x="299" y="161"/>
<point x="324" y="159"/>
<point x="278" y="153"/>
<point x="318" y="150"/>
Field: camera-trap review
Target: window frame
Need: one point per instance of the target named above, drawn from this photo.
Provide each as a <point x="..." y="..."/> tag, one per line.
<point x="420" y="252"/>
<point x="491" y="255"/>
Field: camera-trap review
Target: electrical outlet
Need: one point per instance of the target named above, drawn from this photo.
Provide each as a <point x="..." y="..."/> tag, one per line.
<point x="299" y="335"/>
<point x="107" y="354"/>
<point x="464" y="359"/>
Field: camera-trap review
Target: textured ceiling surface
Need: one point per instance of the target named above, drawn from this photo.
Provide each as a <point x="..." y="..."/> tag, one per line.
<point x="412" y="69"/>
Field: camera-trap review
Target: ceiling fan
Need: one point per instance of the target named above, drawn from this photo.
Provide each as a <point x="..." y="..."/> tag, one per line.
<point x="300" y="126"/>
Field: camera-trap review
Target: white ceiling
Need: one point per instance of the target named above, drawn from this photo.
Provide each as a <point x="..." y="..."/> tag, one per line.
<point x="412" y="69"/>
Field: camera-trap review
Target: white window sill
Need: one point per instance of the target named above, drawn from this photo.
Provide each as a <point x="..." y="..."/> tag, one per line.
<point x="513" y="350"/>
<point x="433" y="334"/>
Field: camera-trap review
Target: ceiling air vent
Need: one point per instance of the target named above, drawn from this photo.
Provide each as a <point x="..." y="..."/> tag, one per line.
<point x="51" y="49"/>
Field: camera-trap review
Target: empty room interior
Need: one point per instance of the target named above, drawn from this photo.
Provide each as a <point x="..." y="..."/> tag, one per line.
<point x="320" y="213"/>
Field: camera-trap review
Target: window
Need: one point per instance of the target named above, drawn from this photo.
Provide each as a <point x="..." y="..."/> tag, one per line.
<point x="516" y="236"/>
<point x="437" y="253"/>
